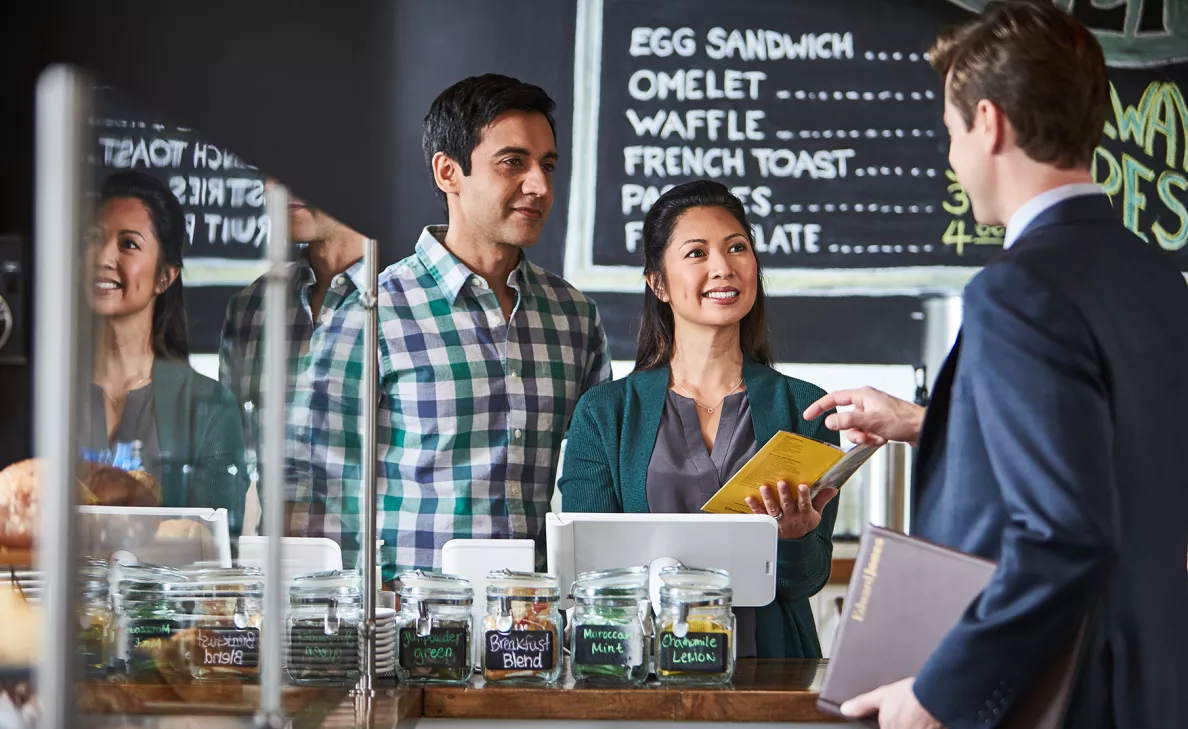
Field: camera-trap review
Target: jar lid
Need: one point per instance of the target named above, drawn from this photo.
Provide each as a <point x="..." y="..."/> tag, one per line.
<point x="419" y="585"/>
<point x="222" y="582"/>
<point x="93" y="578"/>
<point x="140" y="580"/>
<point x="624" y="582"/>
<point x="694" y="584"/>
<point x="339" y="586"/>
<point x="507" y="583"/>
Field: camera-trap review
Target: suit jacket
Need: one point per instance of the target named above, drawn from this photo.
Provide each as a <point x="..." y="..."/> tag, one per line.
<point x="1055" y="445"/>
<point x="610" y="444"/>
<point x="201" y="439"/>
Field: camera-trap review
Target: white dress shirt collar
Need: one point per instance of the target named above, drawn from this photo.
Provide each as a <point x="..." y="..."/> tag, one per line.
<point x="1032" y="209"/>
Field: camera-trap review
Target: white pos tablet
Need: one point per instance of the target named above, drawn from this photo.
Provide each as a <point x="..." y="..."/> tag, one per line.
<point x="744" y="545"/>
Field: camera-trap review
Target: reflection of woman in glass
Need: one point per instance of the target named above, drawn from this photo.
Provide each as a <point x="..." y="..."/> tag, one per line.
<point x="187" y="426"/>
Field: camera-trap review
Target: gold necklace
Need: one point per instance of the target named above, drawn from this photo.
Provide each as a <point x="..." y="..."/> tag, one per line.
<point x="116" y="400"/>
<point x="703" y="407"/>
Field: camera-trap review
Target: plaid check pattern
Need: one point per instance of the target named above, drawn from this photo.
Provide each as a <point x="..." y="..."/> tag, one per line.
<point x="241" y="349"/>
<point x="472" y="409"/>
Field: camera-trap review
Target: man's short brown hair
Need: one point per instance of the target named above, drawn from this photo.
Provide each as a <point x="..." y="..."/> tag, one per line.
<point x="1040" y="66"/>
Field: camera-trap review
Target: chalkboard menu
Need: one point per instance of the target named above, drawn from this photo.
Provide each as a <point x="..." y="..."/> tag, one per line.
<point x="826" y="119"/>
<point x="221" y="195"/>
<point x="1142" y="162"/>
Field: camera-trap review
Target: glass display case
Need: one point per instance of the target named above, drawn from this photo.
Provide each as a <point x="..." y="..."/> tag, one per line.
<point x="178" y="314"/>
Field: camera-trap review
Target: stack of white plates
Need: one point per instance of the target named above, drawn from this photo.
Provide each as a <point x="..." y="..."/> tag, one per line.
<point x="31" y="583"/>
<point x="385" y="642"/>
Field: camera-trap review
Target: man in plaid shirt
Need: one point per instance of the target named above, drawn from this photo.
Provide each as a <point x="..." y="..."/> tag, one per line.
<point x="326" y="277"/>
<point x="483" y="355"/>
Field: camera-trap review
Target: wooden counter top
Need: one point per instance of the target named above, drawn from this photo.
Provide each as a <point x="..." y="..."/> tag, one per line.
<point x="393" y="707"/>
<point x="762" y="691"/>
<point x="841" y="570"/>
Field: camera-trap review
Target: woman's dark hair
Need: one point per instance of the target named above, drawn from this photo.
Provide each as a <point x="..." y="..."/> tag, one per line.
<point x="458" y="116"/>
<point x="170" y="334"/>
<point x="656" y="332"/>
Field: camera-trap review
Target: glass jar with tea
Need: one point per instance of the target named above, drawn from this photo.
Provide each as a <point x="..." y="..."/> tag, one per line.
<point x="433" y="628"/>
<point x="522" y="628"/>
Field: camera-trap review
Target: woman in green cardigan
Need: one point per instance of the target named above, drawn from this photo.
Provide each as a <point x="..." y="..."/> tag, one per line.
<point x="702" y="400"/>
<point x="188" y="428"/>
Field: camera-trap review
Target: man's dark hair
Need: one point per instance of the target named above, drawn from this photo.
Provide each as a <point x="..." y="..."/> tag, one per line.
<point x="458" y="116"/>
<point x="1040" y="66"/>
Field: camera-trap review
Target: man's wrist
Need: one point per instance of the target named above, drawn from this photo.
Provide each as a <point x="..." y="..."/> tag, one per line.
<point x="916" y="421"/>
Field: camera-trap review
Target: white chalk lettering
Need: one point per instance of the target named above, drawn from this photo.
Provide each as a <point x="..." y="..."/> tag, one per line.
<point x="640" y="197"/>
<point x="122" y="152"/>
<point x="662" y="42"/>
<point x="770" y="45"/>
<point x="212" y="191"/>
<point x="789" y="238"/>
<point x="229" y="229"/>
<point x="633" y="234"/>
<point x="695" y="84"/>
<point x="665" y="123"/>
<point x="683" y="161"/>
<point x="756" y="200"/>
<point x="824" y="164"/>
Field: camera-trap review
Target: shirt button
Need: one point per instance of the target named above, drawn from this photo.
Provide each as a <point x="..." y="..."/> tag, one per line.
<point x="324" y="318"/>
<point x="480" y="282"/>
<point x="339" y="280"/>
<point x="516" y="374"/>
<point x="519" y="433"/>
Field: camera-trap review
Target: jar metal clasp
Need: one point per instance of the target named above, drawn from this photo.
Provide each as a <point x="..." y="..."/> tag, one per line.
<point x="240" y="618"/>
<point x="680" y="628"/>
<point x="503" y="622"/>
<point x="424" y="620"/>
<point x="331" y="622"/>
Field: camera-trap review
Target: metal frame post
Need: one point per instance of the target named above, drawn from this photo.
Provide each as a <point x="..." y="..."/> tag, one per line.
<point x="61" y="336"/>
<point x="368" y="506"/>
<point x="272" y="416"/>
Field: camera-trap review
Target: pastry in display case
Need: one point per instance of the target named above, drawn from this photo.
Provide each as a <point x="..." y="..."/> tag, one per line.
<point x="99" y="485"/>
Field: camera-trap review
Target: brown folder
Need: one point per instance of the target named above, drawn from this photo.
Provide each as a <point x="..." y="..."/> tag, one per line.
<point x="904" y="597"/>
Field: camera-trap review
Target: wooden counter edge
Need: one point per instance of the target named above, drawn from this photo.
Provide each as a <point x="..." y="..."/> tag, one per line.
<point x="841" y="571"/>
<point x="652" y="703"/>
<point x="752" y="706"/>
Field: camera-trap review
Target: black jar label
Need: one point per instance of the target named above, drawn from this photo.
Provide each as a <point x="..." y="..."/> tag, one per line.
<point x="694" y="652"/>
<point x="607" y="645"/>
<point x="528" y="650"/>
<point x="442" y="648"/>
<point x="217" y="648"/>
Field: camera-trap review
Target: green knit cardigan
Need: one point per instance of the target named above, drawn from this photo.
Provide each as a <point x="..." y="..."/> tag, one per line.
<point x="610" y="444"/>
<point x="201" y="440"/>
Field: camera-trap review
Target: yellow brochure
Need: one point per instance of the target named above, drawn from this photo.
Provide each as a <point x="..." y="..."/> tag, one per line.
<point x="788" y="457"/>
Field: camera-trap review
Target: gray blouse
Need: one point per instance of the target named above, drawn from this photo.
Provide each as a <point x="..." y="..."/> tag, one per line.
<point x="683" y="474"/>
<point x="137" y="423"/>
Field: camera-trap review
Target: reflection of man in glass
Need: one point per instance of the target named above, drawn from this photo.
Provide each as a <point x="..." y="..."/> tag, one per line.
<point x="180" y="426"/>
<point x="325" y="277"/>
<point x="482" y="354"/>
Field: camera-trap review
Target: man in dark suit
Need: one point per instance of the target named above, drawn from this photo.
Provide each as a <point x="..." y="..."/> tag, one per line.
<point x="1054" y="441"/>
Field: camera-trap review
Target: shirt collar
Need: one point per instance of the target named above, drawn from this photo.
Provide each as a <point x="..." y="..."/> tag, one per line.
<point x="452" y="274"/>
<point x="303" y="273"/>
<point x="355" y="274"/>
<point x="1032" y="209"/>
